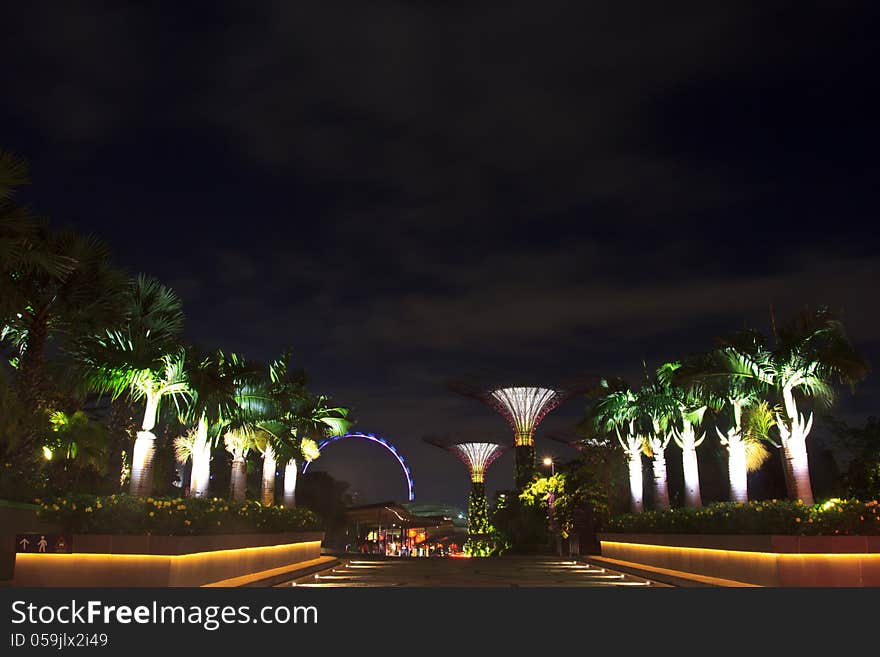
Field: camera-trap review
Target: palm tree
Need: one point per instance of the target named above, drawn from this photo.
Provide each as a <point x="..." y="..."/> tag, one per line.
<point x="82" y="300"/>
<point x="286" y="389"/>
<point x="274" y="440"/>
<point x="736" y="443"/>
<point x="809" y="354"/>
<point x="315" y="418"/>
<point x="22" y="252"/>
<point x="690" y="405"/>
<point x="614" y="411"/>
<point x="289" y="421"/>
<point x="732" y="396"/>
<point x="214" y="381"/>
<point x="657" y="409"/>
<point x="255" y="423"/>
<point x="140" y="359"/>
<point x="239" y="442"/>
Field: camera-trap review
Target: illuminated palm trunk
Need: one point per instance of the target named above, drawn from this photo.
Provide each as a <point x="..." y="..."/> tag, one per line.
<point x="201" y="461"/>
<point x="267" y="488"/>
<point x="692" y="496"/>
<point x="737" y="470"/>
<point x="737" y="466"/>
<point x="689" y="442"/>
<point x="144" y="452"/>
<point x="658" y="466"/>
<point x="289" y="498"/>
<point x="632" y="447"/>
<point x="636" y="483"/>
<point x="794" y="430"/>
<point x="238" y="480"/>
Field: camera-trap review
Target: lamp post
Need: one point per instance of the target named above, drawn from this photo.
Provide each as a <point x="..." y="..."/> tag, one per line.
<point x="551" y="501"/>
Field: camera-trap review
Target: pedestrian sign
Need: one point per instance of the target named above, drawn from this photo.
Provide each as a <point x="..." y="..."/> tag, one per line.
<point x="44" y="543"/>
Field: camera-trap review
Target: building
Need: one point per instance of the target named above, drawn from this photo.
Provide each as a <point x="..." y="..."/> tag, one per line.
<point x="392" y="529"/>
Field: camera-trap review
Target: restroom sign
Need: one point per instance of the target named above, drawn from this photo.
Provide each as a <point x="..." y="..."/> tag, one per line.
<point x="44" y="543"/>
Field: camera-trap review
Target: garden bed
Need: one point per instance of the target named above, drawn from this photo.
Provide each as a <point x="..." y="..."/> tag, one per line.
<point x="119" y="540"/>
<point x="767" y="542"/>
<point x="834" y="517"/>
<point x="125" y="514"/>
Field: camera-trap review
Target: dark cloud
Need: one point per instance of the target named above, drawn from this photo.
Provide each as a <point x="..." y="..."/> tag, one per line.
<point x="407" y="193"/>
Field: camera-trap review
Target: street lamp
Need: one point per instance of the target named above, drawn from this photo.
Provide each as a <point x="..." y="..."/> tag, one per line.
<point x="551" y="502"/>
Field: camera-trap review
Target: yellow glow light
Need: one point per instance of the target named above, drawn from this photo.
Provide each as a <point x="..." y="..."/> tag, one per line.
<point x="765" y="568"/>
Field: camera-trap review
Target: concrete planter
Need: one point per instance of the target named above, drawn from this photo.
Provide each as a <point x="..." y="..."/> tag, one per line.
<point x="765" y="560"/>
<point x="162" y="561"/>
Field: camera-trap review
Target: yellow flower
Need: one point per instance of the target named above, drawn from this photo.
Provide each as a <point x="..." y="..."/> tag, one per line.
<point x="98" y="505"/>
<point x="88" y="509"/>
<point x="187" y="522"/>
<point x="56" y="507"/>
<point x="152" y="514"/>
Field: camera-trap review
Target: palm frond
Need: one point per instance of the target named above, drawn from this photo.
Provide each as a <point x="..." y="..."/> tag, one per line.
<point x="184" y="446"/>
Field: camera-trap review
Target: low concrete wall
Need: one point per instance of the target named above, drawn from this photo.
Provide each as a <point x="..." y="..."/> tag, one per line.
<point x="162" y="561"/>
<point x="770" y="560"/>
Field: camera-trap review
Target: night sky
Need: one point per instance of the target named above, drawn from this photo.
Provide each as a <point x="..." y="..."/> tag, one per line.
<point x="408" y="195"/>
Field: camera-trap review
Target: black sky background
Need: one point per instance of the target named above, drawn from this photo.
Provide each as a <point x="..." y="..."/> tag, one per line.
<point x="408" y="193"/>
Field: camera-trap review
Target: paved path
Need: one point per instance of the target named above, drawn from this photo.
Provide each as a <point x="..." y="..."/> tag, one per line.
<point x="435" y="571"/>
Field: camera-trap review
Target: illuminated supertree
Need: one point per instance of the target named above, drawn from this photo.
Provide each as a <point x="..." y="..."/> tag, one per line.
<point x="477" y="455"/>
<point x="523" y="407"/>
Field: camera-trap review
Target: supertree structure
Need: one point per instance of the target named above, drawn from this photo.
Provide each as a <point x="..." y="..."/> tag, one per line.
<point x="477" y="455"/>
<point x="523" y="407"/>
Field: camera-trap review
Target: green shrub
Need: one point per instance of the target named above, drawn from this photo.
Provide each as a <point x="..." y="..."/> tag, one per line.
<point x="834" y="517"/>
<point x="124" y="514"/>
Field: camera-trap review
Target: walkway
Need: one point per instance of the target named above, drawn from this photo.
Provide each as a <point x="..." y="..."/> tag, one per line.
<point x="435" y="571"/>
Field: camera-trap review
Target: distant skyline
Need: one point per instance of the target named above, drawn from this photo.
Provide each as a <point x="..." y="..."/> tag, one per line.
<point x="408" y="194"/>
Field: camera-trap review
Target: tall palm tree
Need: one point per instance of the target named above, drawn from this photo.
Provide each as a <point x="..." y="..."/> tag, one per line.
<point x="809" y="354"/>
<point x="274" y="440"/>
<point x="736" y="442"/>
<point x="61" y="309"/>
<point x="291" y="421"/>
<point x="690" y="406"/>
<point x="314" y="417"/>
<point x="657" y="410"/>
<point x="258" y="407"/>
<point x="22" y="251"/>
<point x="239" y="442"/>
<point x="140" y="359"/>
<point x="214" y="380"/>
<point x="736" y="398"/>
<point x="613" y="411"/>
